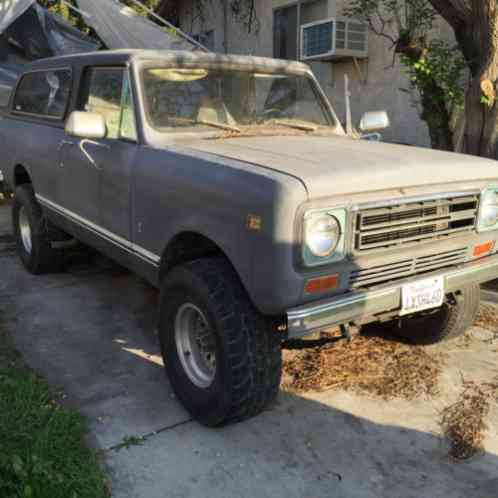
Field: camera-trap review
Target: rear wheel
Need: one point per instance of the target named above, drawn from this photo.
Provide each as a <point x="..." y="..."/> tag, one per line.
<point x="33" y="233"/>
<point x="456" y="315"/>
<point x="222" y="356"/>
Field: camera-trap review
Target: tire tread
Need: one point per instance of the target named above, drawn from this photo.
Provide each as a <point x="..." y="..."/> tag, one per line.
<point x="252" y="347"/>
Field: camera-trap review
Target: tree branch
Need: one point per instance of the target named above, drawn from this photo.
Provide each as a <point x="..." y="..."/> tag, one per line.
<point x="457" y="13"/>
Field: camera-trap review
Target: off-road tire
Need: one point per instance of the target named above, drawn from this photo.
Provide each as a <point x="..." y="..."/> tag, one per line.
<point x="42" y="258"/>
<point x="452" y="320"/>
<point x="248" y="350"/>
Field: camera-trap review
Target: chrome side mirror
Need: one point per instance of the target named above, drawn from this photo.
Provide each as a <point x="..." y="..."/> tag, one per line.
<point x="374" y="121"/>
<point x="86" y="125"/>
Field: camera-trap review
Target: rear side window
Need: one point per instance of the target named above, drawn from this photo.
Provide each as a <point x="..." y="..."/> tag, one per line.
<point x="44" y="93"/>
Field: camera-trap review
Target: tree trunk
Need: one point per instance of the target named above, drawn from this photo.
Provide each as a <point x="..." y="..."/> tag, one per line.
<point x="481" y="127"/>
<point x="480" y="136"/>
<point x="475" y="23"/>
<point x="432" y="99"/>
<point x="437" y="117"/>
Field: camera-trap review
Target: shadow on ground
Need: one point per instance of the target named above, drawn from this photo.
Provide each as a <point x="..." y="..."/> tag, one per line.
<point x="91" y="331"/>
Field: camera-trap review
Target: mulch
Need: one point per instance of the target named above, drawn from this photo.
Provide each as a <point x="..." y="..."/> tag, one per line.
<point x="375" y="365"/>
<point x="463" y="422"/>
<point x="488" y="317"/>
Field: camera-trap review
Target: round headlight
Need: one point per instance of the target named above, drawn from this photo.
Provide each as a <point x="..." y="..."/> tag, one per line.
<point x="489" y="209"/>
<point x="322" y="235"/>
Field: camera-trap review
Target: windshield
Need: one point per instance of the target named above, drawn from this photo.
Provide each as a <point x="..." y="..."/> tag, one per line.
<point x="191" y="100"/>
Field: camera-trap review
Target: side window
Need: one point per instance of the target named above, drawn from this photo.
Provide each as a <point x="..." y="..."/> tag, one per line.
<point x="44" y="93"/>
<point x="107" y="91"/>
<point x="102" y="94"/>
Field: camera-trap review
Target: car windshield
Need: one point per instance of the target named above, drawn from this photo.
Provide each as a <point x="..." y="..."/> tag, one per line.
<point x="192" y="100"/>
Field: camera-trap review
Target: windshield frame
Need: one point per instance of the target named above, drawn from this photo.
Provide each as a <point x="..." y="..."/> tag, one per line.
<point x="143" y="66"/>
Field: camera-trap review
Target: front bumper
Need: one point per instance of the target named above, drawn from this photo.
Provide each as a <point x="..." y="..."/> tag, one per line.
<point x="360" y="305"/>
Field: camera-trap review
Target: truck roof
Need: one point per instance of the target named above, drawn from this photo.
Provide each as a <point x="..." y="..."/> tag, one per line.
<point x="172" y="57"/>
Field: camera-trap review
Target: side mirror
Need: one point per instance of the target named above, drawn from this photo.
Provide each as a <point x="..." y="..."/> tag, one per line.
<point x="86" y="125"/>
<point x="374" y="121"/>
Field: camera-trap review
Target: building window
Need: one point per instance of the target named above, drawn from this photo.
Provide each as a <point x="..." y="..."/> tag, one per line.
<point x="287" y="22"/>
<point x="285" y="33"/>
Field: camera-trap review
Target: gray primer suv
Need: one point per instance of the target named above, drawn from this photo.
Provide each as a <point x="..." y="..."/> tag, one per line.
<point x="229" y="183"/>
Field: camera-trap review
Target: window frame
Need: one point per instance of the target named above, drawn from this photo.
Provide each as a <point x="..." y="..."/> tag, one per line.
<point x="319" y="93"/>
<point x="62" y="118"/>
<point x="298" y="4"/>
<point x="80" y="103"/>
<point x="133" y="106"/>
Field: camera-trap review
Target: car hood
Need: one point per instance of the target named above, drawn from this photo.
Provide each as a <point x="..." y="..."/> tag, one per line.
<point x="336" y="165"/>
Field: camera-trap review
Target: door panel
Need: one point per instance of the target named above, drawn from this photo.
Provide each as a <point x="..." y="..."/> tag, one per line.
<point x="115" y="186"/>
<point x="96" y="174"/>
<point x="115" y="196"/>
<point x="40" y="103"/>
<point x="79" y="177"/>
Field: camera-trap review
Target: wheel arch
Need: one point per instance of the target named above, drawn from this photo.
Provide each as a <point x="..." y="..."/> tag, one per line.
<point x="190" y="245"/>
<point x="21" y="176"/>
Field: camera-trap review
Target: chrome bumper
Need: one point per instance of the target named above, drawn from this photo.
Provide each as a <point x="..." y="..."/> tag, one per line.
<point x="357" y="305"/>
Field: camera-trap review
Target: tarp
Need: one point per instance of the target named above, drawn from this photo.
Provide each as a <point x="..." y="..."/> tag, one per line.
<point x="119" y="26"/>
<point x="42" y="34"/>
<point x="29" y="32"/>
<point x="10" y="10"/>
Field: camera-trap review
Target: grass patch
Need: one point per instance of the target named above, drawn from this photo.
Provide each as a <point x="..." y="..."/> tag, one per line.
<point x="42" y="453"/>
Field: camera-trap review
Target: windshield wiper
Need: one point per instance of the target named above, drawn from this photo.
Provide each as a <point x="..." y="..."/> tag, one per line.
<point x="221" y="126"/>
<point x="297" y="126"/>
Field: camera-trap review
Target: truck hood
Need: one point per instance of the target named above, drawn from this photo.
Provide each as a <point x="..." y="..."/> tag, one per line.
<point x="336" y="165"/>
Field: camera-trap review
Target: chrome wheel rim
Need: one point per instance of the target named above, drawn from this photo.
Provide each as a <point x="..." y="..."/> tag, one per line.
<point x="196" y="345"/>
<point x="25" y="230"/>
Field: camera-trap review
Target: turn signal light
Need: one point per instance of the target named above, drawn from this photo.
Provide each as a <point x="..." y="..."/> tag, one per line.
<point x="322" y="284"/>
<point x="482" y="249"/>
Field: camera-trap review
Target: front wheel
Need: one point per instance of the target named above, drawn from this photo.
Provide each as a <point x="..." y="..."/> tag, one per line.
<point x="456" y="315"/>
<point x="222" y="356"/>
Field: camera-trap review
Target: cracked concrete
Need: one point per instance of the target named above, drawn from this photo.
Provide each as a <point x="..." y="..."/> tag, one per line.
<point x="90" y="331"/>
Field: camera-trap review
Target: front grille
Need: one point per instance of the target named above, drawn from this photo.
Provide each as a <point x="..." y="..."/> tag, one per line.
<point x="402" y="224"/>
<point x="375" y="275"/>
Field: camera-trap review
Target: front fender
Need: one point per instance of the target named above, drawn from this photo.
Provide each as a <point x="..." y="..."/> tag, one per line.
<point x="177" y="190"/>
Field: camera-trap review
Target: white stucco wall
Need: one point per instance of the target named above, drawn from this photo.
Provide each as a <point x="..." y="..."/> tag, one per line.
<point x="378" y="85"/>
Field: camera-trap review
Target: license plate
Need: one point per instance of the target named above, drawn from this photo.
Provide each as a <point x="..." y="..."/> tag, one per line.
<point x="422" y="295"/>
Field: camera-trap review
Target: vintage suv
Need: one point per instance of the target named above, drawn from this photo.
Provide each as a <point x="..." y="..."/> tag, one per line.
<point x="229" y="183"/>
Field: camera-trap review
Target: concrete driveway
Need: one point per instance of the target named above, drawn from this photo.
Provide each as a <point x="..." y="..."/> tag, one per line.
<point x="90" y="331"/>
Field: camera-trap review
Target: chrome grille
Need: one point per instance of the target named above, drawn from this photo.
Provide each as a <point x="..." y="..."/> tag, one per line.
<point x="401" y="224"/>
<point x="406" y="268"/>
